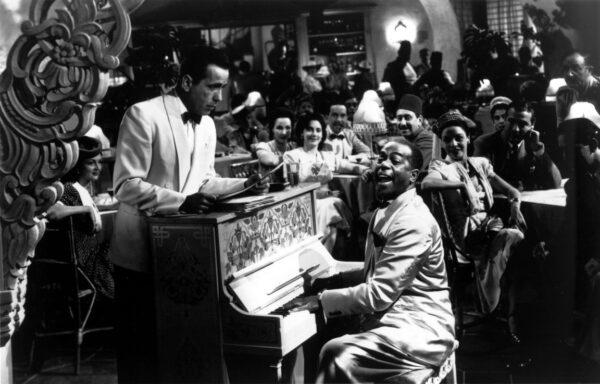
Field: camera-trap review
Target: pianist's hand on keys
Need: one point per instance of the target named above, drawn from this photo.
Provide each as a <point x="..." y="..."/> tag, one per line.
<point x="307" y="303"/>
<point x="323" y="283"/>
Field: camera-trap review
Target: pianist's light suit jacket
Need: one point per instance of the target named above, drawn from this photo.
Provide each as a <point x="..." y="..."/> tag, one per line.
<point x="404" y="292"/>
<point x="157" y="166"/>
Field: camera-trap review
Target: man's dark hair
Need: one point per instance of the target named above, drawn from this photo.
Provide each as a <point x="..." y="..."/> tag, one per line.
<point x="416" y="159"/>
<point x="197" y="61"/>
<point x="533" y="90"/>
<point x="571" y="58"/>
<point x="522" y="106"/>
<point x="338" y="101"/>
<point x="304" y="122"/>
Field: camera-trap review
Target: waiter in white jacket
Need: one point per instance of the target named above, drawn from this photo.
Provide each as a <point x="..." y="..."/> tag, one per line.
<point x="164" y="164"/>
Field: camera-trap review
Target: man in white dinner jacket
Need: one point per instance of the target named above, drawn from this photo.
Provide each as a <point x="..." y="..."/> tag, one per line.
<point x="401" y="293"/>
<point x="165" y="165"/>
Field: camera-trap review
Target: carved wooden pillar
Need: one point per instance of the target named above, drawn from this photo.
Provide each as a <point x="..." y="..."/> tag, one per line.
<point x="56" y="72"/>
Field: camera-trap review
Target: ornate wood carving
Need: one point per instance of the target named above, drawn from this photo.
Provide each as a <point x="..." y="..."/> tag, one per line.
<point x="57" y="71"/>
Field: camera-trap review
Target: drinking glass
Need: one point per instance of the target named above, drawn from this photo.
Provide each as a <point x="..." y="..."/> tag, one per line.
<point x="293" y="173"/>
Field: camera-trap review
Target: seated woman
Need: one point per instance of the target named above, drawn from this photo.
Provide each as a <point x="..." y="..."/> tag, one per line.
<point x="490" y="242"/>
<point x="316" y="165"/>
<point x="270" y="153"/>
<point x="76" y="200"/>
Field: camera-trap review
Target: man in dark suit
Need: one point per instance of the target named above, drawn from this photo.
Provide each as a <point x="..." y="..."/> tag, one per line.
<point x="517" y="154"/>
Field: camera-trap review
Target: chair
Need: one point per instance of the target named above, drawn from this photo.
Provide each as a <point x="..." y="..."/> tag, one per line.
<point x="244" y="169"/>
<point x="451" y="210"/>
<point x="61" y="289"/>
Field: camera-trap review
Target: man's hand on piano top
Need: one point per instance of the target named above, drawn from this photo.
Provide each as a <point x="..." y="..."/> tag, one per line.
<point x="198" y="203"/>
<point x="308" y="303"/>
<point x="260" y="184"/>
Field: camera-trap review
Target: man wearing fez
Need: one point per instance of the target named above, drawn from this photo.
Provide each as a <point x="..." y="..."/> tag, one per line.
<point x="164" y="164"/>
<point x="517" y="154"/>
<point x="401" y="293"/>
<point x="409" y="117"/>
<point x="341" y="140"/>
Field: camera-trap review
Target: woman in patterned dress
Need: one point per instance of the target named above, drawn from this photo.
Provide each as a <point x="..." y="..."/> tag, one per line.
<point x="316" y="165"/>
<point x="76" y="201"/>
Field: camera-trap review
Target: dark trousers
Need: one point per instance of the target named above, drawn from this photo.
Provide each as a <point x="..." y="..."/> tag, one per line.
<point x="136" y="327"/>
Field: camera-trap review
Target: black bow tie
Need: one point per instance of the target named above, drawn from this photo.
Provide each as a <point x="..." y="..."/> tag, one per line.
<point x="334" y="136"/>
<point x="190" y="116"/>
<point x="382" y="204"/>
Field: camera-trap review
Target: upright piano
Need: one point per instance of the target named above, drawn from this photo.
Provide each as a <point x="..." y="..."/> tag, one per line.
<point x="221" y="280"/>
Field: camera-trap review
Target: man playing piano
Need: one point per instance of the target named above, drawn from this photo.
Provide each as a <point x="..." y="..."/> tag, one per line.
<point x="164" y="164"/>
<point x="401" y="293"/>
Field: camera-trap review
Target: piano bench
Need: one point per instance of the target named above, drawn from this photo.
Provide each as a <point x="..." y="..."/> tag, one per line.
<point x="447" y="372"/>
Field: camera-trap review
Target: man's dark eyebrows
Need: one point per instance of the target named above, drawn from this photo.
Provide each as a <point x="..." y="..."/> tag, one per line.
<point x="217" y="84"/>
<point x="399" y="154"/>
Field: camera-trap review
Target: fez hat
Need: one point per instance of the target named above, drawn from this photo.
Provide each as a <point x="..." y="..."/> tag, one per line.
<point x="411" y="103"/>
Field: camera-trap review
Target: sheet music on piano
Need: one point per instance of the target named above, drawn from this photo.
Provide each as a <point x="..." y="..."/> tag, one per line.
<point x="266" y="286"/>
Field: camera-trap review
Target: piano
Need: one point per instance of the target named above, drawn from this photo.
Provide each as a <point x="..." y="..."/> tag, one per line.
<point x="221" y="281"/>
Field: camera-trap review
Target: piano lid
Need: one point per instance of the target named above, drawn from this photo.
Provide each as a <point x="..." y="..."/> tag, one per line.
<point x="260" y="287"/>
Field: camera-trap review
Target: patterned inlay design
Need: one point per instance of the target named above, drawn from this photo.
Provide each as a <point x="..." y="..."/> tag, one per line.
<point x="251" y="239"/>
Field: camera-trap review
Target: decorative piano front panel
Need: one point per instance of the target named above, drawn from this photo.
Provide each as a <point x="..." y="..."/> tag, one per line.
<point x="194" y="256"/>
<point x="248" y="240"/>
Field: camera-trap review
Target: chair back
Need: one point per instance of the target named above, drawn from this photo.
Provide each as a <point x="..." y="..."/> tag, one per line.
<point x="451" y="210"/>
<point x="55" y="279"/>
<point x="57" y="244"/>
<point x="62" y="295"/>
<point x="243" y="169"/>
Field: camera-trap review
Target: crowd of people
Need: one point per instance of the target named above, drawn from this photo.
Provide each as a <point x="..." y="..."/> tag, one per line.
<point x="405" y="135"/>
